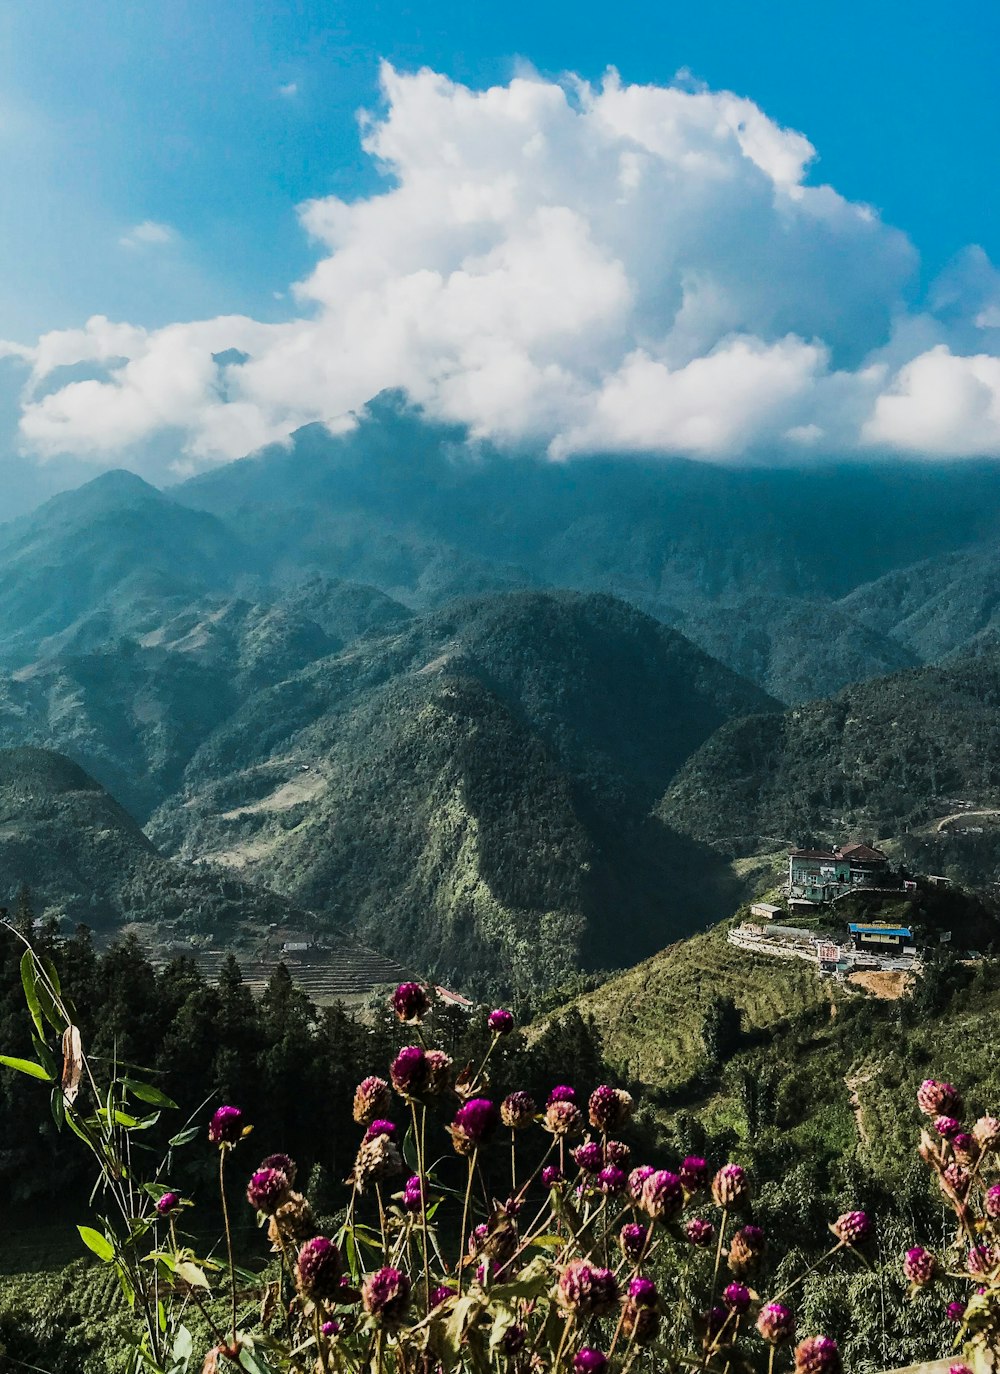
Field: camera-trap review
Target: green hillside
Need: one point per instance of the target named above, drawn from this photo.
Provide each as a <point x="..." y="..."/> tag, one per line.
<point x="876" y="759"/>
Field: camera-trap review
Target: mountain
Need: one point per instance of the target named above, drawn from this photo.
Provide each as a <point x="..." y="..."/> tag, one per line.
<point x="84" y="858"/>
<point x="475" y="791"/>
<point x="878" y="759"/>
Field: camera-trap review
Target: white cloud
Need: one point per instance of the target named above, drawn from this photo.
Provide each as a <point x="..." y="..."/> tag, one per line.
<point x="289" y="91"/>
<point x="149" y="233"/>
<point x="636" y="268"/>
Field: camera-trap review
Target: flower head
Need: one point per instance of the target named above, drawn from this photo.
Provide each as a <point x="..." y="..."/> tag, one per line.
<point x="167" y="1203"/>
<point x="955" y="1181"/>
<point x="986" y="1133"/>
<point x="694" y="1174"/>
<point x="611" y="1180"/>
<point x="817" y="1355"/>
<point x="561" y="1093"/>
<point x="980" y="1260"/>
<point x="965" y="1148"/>
<point x="737" y="1297"/>
<point x="413" y="1194"/>
<point x="586" y="1290"/>
<point x="947" y="1126"/>
<point x="377" y="1159"/>
<point x="439" y="1067"/>
<point x="410" y="1072"/>
<point x="617" y="1152"/>
<point x="285" y="1163"/>
<point x="993" y="1201"/>
<point x="226" y="1126"/>
<point x="636" y="1179"/>
<point x="267" y="1190"/>
<point x="563" y="1117"/>
<point x="500" y="1022"/>
<point x="699" y="1232"/>
<point x="730" y="1186"/>
<point x="410" y="1003"/>
<point x="920" y="1266"/>
<point x="517" y="1110"/>
<point x="318" y="1268"/>
<point x="776" y="1323"/>
<point x="330" y="1328"/>
<point x="955" y="1312"/>
<point x="371" y="1099"/>
<point x="386" y="1294"/>
<point x="632" y="1239"/>
<point x="441" y="1294"/>
<point x="590" y="1361"/>
<point x="746" y="1250"/>
<point x="609" y="1108"/>
<point x="380" y="1127"/>
<point x="552" y="1176"/>
<point x="934" y="1098"/>
<point x="474" y="1123"/>
<point x="589" y="1156"/>
<point x="662" y="1195"/>
<point x="852" y="1228"/>
<point x="642" y="1291"/>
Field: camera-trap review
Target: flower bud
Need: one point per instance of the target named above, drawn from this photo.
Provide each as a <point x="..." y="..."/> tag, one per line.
<point x="993" y="1202"/>
<point x="852" y="1228"/>
<point x="609" y="1108"/>
<point x="662" y="1195"/>
<point x="590" y="1361"/>
<point x="474" y="1124"/>
<point x="617" y="1152"/>
<point x="413" y="1194"/>
<point x="284" y="1163"/>
<point x="563" y="1118"/>
<point x="935" y="1099"/>
<point x="501" y="1022"/>
<point x="552" y="1176"/>
<point x="737" y="1297"/>
<point x="955" y="1312"/>
<point x="694" y="1174"/>
<point x="699" y="1232"/>
<point x="226" y="1126"/>
<point x="947" y="1126"/>
<point x="167" y="1203"/>
<point x="267" y="1190"/>
<point x="380" y="1127"/>
<point x="385" y="1294"/>
<point x="746" y="1250"/>
<point x="410" y="1072"/>
<point x="636" y="1179"/>
<point x="611" y="1180"/>
<point x="986" y="1133"/>
<point x="439" y="1071"/>
<point x="920" y="1266"/>
<point x="632" y="1239"/>
<point x="561" y="1093"/>
<point x="589" y="1156"/>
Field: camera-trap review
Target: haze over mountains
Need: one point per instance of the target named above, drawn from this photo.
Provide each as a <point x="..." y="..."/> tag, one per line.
<point x="489" y="710"/>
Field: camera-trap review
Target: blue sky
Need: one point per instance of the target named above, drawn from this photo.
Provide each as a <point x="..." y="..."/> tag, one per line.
<point x="171" y="112"/>
<point x="614" y="267"/>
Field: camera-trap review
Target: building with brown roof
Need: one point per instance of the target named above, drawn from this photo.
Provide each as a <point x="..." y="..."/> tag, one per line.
<point x="821" y="875"/>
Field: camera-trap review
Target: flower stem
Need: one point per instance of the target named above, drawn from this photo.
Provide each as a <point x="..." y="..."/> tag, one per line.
<point x="229" y="1234"/>
<point x="465" y="1221"/>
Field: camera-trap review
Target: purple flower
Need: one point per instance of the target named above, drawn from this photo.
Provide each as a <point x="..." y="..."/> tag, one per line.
<point x="441" y="1294"/>
<point x="934" y="1098"/>
<point x="852" y="1228"/>
<point x="993" y="1201"/>
<point x="718" y="1327"/>
<point x="776" y="1323"/>
<point x="319" y="1268"/>
<point x="920" y="1266"/>
<point x="386" y="1294"/>
<point x="617" y="1152"/>
<point x="611" y="1180"/>
<point x="586" y="1290"/>
<point x="662" y="1195"/>
<point x="955" y="1312"/>
<point x="730" y="1186"/>
<point x="267" y="1190"/>
<point x="517" y="1110"/>
<point x="501" y="1022"/>
<point x="694" y="1174"/>
<point x="439" y="1067"/>
<point x="563" y="1118"/>
<point x="609" y="1108"/>
<point x="980" y="1260"/>
<point x="226" y="1126"/>
<point x="561" y="1094"/>
<point x="410" y="1003"/>
<point x="474" y="1123"/>
<point x="330" y="1328"/>
<point x="552" y="1175"/>
<point x="642" y="1291"/>
<point x="955" y="1181"/>
<point x="604" y="1287"/>
<point x="413" y="1194"/>
<point x="477" y="1236"/>
<point x="947" y="1126"/>
<point x="590" y="1361"/>
<point x="410" y="1071"/>
<point x="636" y="1180"/>
<point x="959" y="1369"/>
<point x="167" y="1203"/>
<point x="589" y="1156"/>
<point x="632" y="1239"/>
<point x="380" y="1127"/>
<point x="284" y="1163"/>
<point x="817" y="1355"/>
<point x="737" y="1297"/>
<point x="371" y="1098"/>
<point x="699" y="1232"/>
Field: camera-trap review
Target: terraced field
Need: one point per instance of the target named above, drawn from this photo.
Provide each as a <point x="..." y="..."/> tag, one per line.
<point x="651" y="1016"/>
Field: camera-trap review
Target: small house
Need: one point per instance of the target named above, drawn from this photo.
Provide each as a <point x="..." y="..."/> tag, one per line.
<point x="821" y="875"/>
<point x="764" y="911"/>
<point x="881" y="938"/>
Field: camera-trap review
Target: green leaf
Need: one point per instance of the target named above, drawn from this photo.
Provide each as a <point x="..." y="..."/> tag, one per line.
<point x="191" y="1274"/>
<point x="183" y="1137"/>
<point x="100" y="1245"/>
<point x="27" y="1066"/>
<point x="145" y="1092"/>
<point x="52" y="972"/>
<point x="45" y="1056"/>
<point x="183" y="1346"/>
<point x="58" y="1107"/>
<point x="29" y="982"/>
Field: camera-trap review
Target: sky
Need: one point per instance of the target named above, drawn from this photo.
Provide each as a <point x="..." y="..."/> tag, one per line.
<point x="771" y="231"/>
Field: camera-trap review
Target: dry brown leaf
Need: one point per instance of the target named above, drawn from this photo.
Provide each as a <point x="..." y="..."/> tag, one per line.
<point x="72" y="1072"/>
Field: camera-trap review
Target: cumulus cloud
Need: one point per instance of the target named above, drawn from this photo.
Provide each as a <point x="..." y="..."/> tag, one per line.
<point x="580" y="268"/>
<point x="149" y="232"/>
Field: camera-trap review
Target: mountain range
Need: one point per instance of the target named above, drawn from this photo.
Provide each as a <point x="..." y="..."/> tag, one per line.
<point x="502" y="716"/>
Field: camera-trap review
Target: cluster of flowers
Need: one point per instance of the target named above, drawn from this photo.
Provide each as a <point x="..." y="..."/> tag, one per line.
<point x="965" y="1163"/>
<point x="583" y="1286"/>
